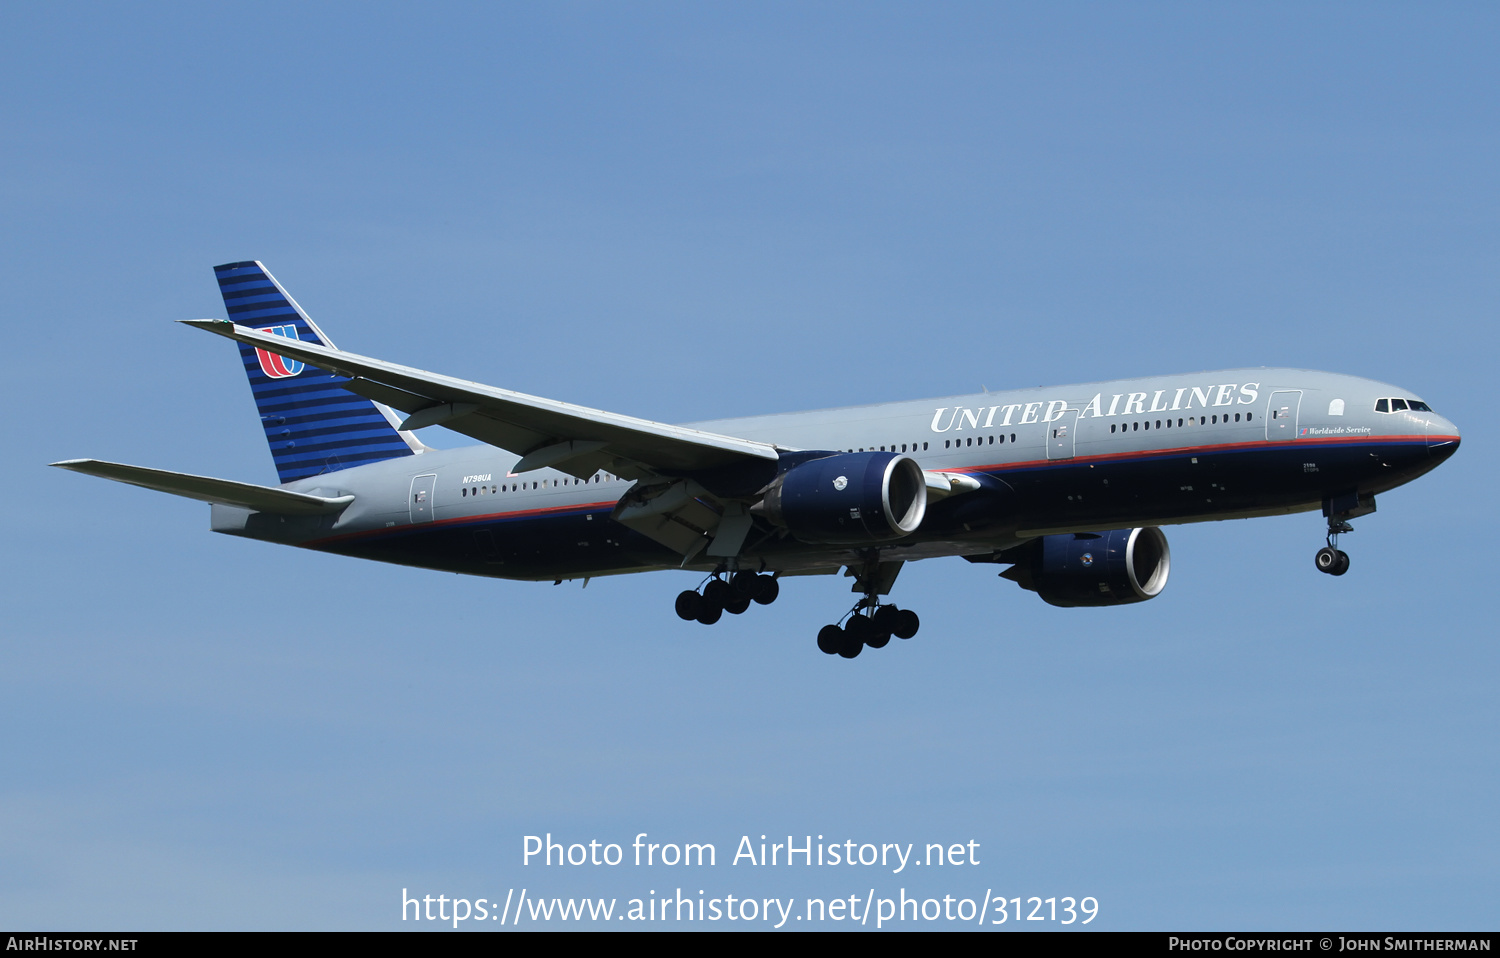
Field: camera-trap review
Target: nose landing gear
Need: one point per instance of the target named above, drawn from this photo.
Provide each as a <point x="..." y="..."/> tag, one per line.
<point x="1339" y="510"/>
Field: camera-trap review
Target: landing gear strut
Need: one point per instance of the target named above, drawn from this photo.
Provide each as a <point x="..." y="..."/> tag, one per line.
<point x="734" y="595"/>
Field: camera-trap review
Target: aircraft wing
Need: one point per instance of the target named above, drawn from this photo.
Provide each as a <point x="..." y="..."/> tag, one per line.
<point x="543" y="432"/>
<point x="207" y="489"/>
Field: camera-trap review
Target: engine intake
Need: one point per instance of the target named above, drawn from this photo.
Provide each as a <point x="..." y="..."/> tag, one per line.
<point x="1092" y="569"/>
<point x="848" y="497"/>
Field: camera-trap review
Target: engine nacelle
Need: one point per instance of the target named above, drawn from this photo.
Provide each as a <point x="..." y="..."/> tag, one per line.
<point x="848" y="497"/>
<point x="1090" y="569"/>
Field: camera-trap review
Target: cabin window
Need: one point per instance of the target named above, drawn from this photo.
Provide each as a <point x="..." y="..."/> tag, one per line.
<point x="1236" y="417"/>
<point x="1249" y="416"/>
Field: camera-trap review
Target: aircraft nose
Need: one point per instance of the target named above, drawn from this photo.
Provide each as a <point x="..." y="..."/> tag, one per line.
<point x="1442" y="435"/>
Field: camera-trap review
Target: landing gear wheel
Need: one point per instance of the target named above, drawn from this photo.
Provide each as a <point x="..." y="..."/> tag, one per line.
<point x="879" y="640"/>
<point x="710" y="613"/>
<point x="717" y="592"/>
<point x="689" y="604"/>
<point x="1343" y="563"/>
<point x="1327" y="560"/>
<point x="859" y="628"/>
<point x="768" y="591"/>
<point x="745" y="585"/>
<point x="906" y="624"/>
<point x="736" y="605"/>
<point x="830" y="639"/>
<point x="856" y="631"/>
<point x="885" y="618"/>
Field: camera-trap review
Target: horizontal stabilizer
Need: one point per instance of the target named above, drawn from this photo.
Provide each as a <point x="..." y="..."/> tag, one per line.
<point x="245" y="494"/>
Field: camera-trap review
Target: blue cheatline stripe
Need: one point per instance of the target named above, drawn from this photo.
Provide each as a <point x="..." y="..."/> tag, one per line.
<point x="312" y="425"/>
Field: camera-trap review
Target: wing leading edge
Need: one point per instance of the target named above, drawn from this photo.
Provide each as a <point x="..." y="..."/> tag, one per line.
<point x="544" y="432"/>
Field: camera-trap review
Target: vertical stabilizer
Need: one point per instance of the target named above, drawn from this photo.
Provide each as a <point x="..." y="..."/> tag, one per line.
<point x="312" y="424"/>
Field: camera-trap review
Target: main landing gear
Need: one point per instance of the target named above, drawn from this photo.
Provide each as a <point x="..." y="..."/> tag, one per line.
<point x="734" y="596"/>
<point x="869" y="623"/>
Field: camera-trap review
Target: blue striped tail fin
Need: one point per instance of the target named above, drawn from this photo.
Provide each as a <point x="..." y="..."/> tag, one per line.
<point x="312" y="424"/>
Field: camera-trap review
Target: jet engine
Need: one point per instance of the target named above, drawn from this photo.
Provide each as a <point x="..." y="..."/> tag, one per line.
<point x="1093" y="568"/>
<point x="848" y="498"/>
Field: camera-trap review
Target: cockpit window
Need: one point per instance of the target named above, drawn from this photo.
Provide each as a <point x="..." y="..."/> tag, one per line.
<point x="1400" y="405"/>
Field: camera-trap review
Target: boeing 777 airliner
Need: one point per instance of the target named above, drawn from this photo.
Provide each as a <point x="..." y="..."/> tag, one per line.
<point x="1067" y="485"/>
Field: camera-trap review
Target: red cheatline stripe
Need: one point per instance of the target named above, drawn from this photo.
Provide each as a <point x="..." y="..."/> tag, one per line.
<point x="1200" y="450"/>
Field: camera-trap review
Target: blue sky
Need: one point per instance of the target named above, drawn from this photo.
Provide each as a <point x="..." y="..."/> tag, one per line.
<point x="685" y="212"/>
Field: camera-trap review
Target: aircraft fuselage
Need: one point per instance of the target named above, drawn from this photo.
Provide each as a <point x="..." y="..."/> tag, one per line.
<point x="1143" y="452"/>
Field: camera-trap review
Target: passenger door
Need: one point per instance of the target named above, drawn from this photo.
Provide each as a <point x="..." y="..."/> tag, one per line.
<point x="1062" y="435"/>
<point x="1281" y="414"/>
<point x="420" y="503"/>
